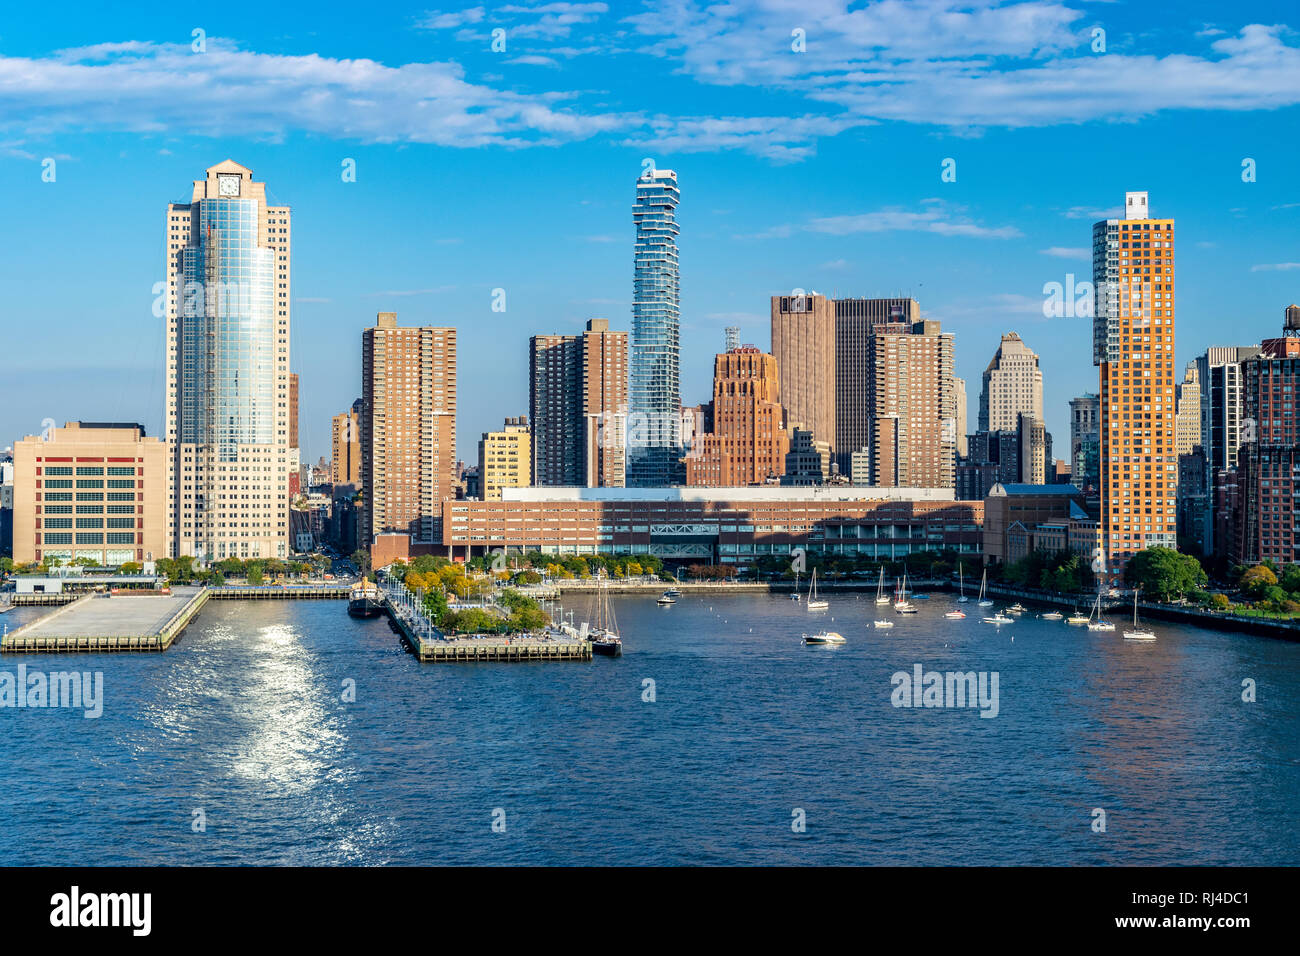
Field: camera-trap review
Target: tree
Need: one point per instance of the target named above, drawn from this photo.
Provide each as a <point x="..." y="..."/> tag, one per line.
<point x="1220" y="602"/>
<point x="361" y="558"/>
<point x="1257" y="580"/>
<point x="1164" y="573"/>
<point x="254" y="574"/>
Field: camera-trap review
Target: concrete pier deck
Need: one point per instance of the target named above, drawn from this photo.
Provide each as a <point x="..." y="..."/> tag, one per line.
<point x="97" y="622"/>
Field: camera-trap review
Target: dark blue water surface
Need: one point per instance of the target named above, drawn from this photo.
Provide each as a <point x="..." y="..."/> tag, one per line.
<point x="243" y="719"/>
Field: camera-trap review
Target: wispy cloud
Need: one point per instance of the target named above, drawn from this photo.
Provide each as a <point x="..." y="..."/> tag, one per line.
<point x="150" y="87"/>
<point x="1276" y="267"/>
<point x="401" y="293"/>
<point x="1066" y="252"/>
<point x="933" y="219"/>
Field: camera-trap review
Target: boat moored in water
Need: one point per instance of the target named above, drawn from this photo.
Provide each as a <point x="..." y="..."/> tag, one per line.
<point x="364" y="600"/>
<point x="824" y="637"/>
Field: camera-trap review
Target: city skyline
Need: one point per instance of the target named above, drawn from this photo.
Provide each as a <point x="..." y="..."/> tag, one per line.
<point x="773" y="205"/>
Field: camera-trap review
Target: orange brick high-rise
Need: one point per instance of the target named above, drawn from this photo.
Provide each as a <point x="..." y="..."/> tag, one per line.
<point x="747" y="442"/>
<point x="1133" y="344"/>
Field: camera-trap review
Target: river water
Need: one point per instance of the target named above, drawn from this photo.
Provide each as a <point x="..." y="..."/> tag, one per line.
<point x="237" y="746"/>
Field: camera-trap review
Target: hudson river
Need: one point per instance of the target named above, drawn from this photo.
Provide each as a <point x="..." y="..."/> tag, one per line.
<point x="237" y="746"/>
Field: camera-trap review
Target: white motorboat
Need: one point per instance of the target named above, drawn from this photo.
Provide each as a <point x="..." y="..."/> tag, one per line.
<point x="825" y="637"/>
<point x="814" y="603"/>
<point x="881" y="623"/>
<point x="1053" y="616"/>
<point x="999" y="619"/>
<point x="1016" y="608"/>
<point x="955" y="615"/>
<point x="1138" y="633"/>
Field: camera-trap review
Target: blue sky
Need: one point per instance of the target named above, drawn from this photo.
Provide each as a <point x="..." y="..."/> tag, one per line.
<point x="515" y="169"/>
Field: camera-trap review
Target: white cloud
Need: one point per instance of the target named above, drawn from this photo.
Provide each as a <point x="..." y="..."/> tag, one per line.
<point x="434" y="20"/>
<point x="1064" y="252"/>
<point x="147" y="87"/>
<point x="933" y="219"/>
<point x="1276" y="267"/>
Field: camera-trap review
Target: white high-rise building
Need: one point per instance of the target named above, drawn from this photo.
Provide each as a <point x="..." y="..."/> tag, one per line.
<point x="227" y="414"/>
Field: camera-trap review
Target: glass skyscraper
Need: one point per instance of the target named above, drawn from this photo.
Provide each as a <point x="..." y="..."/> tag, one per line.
<point x="654" y="424"/>
<point x="228" y="384"/>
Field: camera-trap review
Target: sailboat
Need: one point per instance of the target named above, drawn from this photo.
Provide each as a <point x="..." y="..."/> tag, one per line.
<point x="961" y="586"/>
<point x="814" y="603"/>
<point x="794" y="595"/>
<point x="1101" y="624"/>
<point x="901" y="604"/>
<point x="984" y="581"/>
<point x="881" y="596"/>
<point x="1138" y="633"/>
<point x="603" y="631"/>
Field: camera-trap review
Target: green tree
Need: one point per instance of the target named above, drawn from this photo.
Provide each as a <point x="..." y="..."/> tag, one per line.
<point x="254" y="574"/>
<point x="1164" y="573"/>
<point x="361" y="558"/>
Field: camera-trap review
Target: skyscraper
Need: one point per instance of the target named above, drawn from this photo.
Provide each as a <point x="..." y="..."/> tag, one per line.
<point x="803" y="343"/>
<point x="1269" y="454"/>
<point x="1013" y="385"/>
<point x="747" y="442"/>
<point x="227" y="408"/>
<point x="1085" y="443"/>
<point x="345" y="447"/>
<point x="1133" y="343"/>
<point x="408" y="428"/>
<point x="1218" y="370"/>
<point x="654" y="431"/>
<point x="1187" y="424"/>
<point x="577" y="388"/>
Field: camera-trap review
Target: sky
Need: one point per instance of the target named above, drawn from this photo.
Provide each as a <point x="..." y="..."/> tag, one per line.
<point x="810" y="139"/>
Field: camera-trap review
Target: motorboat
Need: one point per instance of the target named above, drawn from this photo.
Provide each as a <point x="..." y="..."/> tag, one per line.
<point x="999" y="619"/>
<point x="883" y="623"/>
<point x="955" y="615"/>
<point x="1016" y="608"/>
<point x="666" y="598"/>
<point x="825" y="637"/>
<point x="1052" y="616"/>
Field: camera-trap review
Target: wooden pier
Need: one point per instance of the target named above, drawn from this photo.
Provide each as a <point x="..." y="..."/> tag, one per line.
<point x="96" y="623"/>
<point x="40" y="599"/>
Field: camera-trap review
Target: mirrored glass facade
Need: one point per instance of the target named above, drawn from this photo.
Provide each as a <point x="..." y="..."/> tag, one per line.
<point x="654" y="428"/>
<point x="227" y="332"/>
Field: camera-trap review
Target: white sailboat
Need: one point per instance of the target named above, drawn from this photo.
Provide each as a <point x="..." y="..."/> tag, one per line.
<point x="881" y="596"/>
<point x="794" y="595"/>
<point x="815" y="603"/>
<point x="961" y="586"/>
<point x="603" y="630"/>
<point x="901" y="604"/>
<point x="1138" y="633"/>
<point x="984" y="582"/>
<point x="1100" y="624"/>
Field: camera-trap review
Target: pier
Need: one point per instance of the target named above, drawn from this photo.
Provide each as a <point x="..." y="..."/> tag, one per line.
<point x="97" y="622"/>
<point x="280" y="592"/>
<point x="428" y="643"/>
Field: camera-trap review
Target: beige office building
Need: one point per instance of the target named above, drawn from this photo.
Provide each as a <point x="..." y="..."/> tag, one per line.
<point x="1013" y="386"/>
<point x="345" y="447"/>
<point x="408" y="428"/>
<point x="90" y="490"/>
<point x="228" y="388"/>
<point x="803" y="342"/>
<point x="505" y="458"/>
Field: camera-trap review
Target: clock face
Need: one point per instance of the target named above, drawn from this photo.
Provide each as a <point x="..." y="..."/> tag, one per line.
<point x="228" y="185"/>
